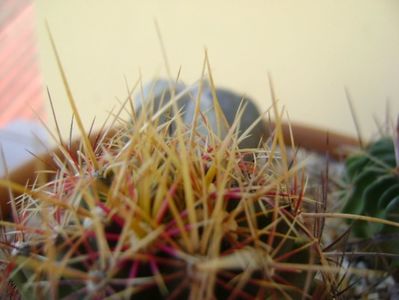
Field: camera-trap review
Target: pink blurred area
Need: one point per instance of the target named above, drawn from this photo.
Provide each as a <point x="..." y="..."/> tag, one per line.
<point x="21" y="89"/>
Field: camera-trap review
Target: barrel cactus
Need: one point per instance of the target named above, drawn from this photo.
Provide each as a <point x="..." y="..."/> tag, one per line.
<point x="146" y="214"/>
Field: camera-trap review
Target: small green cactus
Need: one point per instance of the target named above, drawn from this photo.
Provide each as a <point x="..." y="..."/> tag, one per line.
<point x="373" y="179"/>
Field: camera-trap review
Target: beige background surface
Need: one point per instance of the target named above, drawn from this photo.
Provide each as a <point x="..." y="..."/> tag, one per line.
<point x="312" y="49"/>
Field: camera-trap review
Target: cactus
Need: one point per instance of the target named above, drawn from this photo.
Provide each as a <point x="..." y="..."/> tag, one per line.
<point x="372" y="179"/>
<point x="155" y="215"/>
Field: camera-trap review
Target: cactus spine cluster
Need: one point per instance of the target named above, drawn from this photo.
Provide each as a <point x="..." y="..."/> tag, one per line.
<point x="157" y="215"/>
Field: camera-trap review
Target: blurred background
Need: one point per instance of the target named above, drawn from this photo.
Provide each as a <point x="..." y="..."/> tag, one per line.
<point x="22" y="104"/>
<point x="312" y="49"/>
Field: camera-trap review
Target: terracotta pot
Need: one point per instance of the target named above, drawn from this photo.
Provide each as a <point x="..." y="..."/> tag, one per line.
<point x="311" y="138"/>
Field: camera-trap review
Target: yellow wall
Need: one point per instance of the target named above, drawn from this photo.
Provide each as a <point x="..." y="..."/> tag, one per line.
<point x="312" y="49"/>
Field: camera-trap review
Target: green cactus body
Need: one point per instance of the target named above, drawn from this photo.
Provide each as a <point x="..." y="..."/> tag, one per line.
<point x="373" y="182"/>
